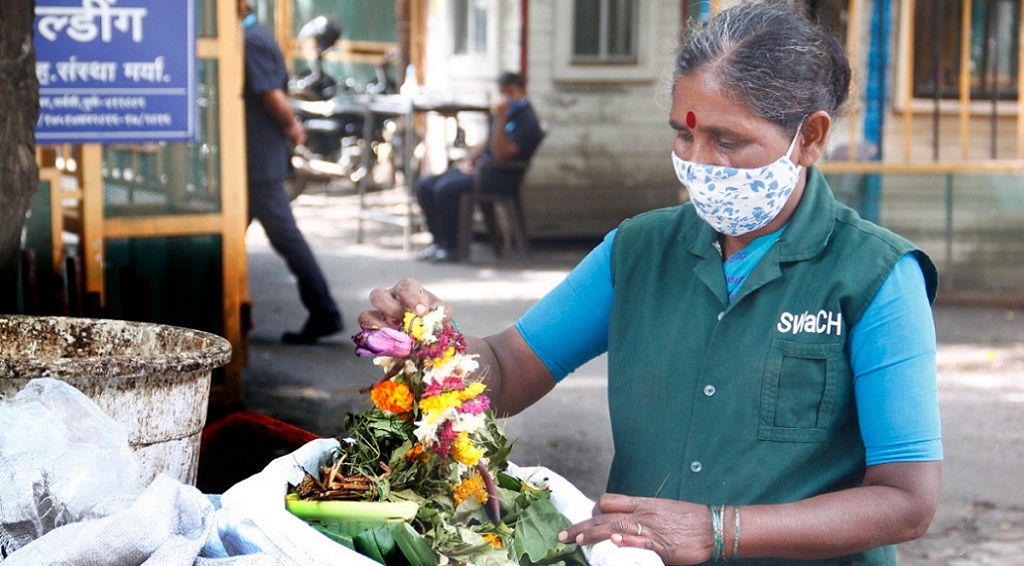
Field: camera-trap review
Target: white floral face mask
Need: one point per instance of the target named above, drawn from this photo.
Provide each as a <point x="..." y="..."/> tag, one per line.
<point x="736" y="201"/>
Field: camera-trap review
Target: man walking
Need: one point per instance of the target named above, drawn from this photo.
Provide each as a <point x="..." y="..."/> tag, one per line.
<point x="271" y="132"/>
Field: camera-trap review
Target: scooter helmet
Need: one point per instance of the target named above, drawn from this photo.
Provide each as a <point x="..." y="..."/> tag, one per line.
<point x="323" y="30"/>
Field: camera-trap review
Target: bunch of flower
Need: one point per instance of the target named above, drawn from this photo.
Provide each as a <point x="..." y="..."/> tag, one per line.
<point x="431" y="437"/>
<point x="427" y="365"/>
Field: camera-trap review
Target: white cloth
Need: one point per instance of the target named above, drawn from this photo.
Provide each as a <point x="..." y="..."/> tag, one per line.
<point x="577" y="507"/>
<point x="168" y="524"/>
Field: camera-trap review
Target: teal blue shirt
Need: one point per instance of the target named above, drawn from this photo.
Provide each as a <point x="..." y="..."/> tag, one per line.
<point x="892" y="348"/>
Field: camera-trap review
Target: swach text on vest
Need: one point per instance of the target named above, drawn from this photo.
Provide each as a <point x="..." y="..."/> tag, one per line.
<point x="821" y="322"/>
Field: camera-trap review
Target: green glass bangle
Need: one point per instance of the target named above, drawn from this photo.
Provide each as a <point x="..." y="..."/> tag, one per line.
<point x="718" y="540"/>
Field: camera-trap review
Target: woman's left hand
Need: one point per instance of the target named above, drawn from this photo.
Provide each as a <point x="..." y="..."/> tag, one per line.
<point x="679" y="532"/>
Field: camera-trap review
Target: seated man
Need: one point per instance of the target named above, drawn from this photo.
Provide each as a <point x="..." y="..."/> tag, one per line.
<point x="515" y="134"/>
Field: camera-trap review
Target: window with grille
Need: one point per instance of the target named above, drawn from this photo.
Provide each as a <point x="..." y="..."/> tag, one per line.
<point x="993" y="46"/>
<point x="604" y="31"/>
<point x="470" y="26"/>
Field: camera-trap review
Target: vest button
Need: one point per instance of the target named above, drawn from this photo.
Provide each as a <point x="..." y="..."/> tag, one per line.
<point x="709" y="390"/>
<point x="696" y="467"/>
<point x="721" y="315"/>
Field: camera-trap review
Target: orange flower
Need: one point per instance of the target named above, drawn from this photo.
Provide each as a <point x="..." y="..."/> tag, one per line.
<point x="415" y="454"/>
<point x="494" y="539"/>
<point x="472" y="486"/>
<point x="392" y="397"/>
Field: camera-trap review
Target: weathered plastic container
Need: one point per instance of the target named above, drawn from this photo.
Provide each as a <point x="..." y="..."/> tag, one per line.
<point x="153" y="379"/>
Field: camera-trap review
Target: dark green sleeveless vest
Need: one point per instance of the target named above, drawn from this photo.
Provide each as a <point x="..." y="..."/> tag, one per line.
<point x="750" y="401"/>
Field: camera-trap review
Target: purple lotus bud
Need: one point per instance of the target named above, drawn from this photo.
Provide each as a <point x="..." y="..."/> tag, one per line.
<point x="383" y="342"/>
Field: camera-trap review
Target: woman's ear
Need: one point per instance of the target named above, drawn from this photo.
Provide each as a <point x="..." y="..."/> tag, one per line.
<point x="814" y="134"/>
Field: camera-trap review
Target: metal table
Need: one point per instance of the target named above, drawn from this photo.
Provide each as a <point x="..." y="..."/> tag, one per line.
<point x="402" y="211"/>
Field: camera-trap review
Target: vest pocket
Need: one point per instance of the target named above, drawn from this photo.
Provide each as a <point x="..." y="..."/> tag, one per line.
<point x="798" y="392"/>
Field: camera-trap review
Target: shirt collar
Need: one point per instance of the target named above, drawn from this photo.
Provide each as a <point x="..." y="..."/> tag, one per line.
<point x="812" y="222"/>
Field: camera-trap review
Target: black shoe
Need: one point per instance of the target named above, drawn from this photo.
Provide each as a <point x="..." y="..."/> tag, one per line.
<point x="427" y="254"/>
<point x="316" y="327"/>
<point x="444" y="256"/>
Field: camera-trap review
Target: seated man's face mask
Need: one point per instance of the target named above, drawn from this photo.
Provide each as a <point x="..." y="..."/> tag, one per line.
<point x="736" y="201"/>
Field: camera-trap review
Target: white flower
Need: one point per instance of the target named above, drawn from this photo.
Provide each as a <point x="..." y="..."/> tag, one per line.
<point x="465" y="422"/>
<point x="465" y="365"/>
<point x="426" y="432"/>
<point x="426" y="427"/>
<point x="385" y="362"/>
<point x="433" y="321"/>
<point x="459" y="365"/>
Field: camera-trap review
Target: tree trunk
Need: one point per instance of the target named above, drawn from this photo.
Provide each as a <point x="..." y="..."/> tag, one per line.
<point x="19" y="110"/>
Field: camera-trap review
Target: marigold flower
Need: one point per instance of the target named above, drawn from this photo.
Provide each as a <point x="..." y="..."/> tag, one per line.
<point x="392" y="397"/>
<point x="415" y="454"/>
<point x="464" y="452"/>
<point x="471" y="391"/>
<point x="494" y="539"/>
<point x="441" y="403"/>
<point x="472" y="486"/>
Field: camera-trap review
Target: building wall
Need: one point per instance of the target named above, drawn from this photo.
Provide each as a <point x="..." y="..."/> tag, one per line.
<point x="606" y="156"/>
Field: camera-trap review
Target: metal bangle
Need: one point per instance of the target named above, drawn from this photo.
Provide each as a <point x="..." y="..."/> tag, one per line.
<point x="736" y="541"/>
<point x="718" y="540"/>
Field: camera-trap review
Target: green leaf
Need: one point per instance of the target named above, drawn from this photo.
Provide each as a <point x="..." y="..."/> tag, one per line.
<point x="478" y="549"/>
<point x="365" y="543"/>
<point x="509" y="482"/>
<point x="337" y="537"/>
<point x="415" y="548"/>
<point x="536" y="539"/>
<point x="387" y="545"/>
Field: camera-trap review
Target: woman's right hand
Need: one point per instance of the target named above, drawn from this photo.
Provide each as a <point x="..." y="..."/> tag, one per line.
<point x="391" y="305"/>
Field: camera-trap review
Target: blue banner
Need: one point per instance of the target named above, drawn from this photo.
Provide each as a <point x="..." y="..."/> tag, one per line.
<point x="115" y="70"/>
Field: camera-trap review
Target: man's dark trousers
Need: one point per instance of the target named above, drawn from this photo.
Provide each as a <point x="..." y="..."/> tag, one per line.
<point x="438" y="196"/>
<point x="269" y="204"/>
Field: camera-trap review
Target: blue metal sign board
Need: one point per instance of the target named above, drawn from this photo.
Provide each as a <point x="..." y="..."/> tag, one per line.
<point x="115" y="70"/>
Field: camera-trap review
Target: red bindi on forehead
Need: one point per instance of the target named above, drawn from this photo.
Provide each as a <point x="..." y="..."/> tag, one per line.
<point x="691" y="120"/>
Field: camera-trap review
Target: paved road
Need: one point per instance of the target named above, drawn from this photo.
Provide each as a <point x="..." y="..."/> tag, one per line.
<point x="981" y="368"/>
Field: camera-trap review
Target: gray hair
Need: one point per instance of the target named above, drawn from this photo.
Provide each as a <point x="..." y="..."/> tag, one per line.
<point x="771" y="59"/>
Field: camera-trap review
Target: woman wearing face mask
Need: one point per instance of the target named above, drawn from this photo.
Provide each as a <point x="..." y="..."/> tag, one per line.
<point x="771" y="356"/>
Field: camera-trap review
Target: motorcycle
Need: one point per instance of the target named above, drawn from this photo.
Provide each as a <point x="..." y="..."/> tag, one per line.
<point x="334" y="116"/>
